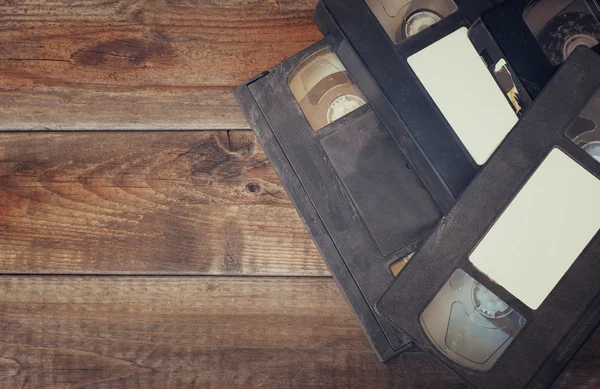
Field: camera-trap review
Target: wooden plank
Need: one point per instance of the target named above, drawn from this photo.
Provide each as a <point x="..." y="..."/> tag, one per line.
<point x="181" y="332"/>
<point x="140" y="65"/>
<point x="205" y="332"/>
<point x="147" y="203"/>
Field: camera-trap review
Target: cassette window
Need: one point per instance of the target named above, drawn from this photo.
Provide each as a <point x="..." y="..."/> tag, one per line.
<point x="527" y="240"/>
<point x="402" y="19"/>
<point x="323" y="89"/>
<point x="585" y="130"/>
<point x="470" y="324"/>
<point x="560" y="26"/>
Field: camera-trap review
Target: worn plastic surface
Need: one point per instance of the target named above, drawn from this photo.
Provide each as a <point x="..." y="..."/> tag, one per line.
<point x="569" y="314"/>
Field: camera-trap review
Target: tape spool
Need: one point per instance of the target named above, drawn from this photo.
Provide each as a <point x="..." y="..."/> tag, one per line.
<point x="417" y="21"/>
<point x="593" y="149"/>
<point x="323" y="89"/>
<point x="488" y="304"/>
<point x="342" y="106"/>
<point x="563" y="34"/>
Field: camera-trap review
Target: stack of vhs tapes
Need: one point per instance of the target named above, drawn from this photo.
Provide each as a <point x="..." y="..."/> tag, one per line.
<point x="445" y="156"/>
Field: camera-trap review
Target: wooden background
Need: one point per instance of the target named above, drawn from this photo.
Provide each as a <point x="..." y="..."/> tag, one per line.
<point x="165" y="259"/>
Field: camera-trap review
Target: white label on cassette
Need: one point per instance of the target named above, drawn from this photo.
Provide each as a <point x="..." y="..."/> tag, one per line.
<point x="543" y="231"/>
<point x="460" y="84"/>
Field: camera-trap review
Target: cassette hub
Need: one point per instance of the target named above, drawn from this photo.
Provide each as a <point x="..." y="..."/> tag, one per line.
<point x="418" y="21"/>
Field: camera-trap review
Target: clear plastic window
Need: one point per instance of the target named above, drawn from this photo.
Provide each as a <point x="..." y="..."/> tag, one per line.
<point x="403" y="19"/>
<point x="562" y="25"/>
<point x="323" y="90"/>
<point x="585" y="130"/>
<point x="469" y="324"/>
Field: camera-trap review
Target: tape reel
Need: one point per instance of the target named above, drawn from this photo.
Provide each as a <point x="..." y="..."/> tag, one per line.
<point x="560" y="26"/>
<point x="403" y="19"/>
<point x="323" y="90"/>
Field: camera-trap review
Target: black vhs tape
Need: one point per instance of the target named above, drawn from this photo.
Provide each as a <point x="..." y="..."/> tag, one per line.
<point x="367" y="199"/>
<point x="428" y="65"/>
<point x="507" y="288"/>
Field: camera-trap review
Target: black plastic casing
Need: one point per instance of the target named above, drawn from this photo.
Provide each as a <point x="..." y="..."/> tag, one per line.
<point x="361" y="185"/>
<point x="556" y="330"/>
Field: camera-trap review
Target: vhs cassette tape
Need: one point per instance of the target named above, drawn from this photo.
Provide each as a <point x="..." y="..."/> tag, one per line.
<point x="537" y="36"/>
<point x="362" y="187"/>
<point x="427" y="64"/>
<point x="507" y="288"/>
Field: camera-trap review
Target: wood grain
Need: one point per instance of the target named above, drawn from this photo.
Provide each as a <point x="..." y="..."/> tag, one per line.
<point x="140" y="65"/>
<point x="166" y="203"/>
<point x="115" y="332"/>
<point x="207" y="332"/>
<point x="147" y="203"/>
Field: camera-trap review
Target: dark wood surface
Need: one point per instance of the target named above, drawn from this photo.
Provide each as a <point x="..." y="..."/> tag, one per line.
<point x="165" y="259"/>
<point x="205" y="203"/>
<point x="139" y="64"/>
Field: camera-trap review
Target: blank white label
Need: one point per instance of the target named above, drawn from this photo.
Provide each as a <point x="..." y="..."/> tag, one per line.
<point x="466" y="93"/>
<point x="543" y="231"/>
